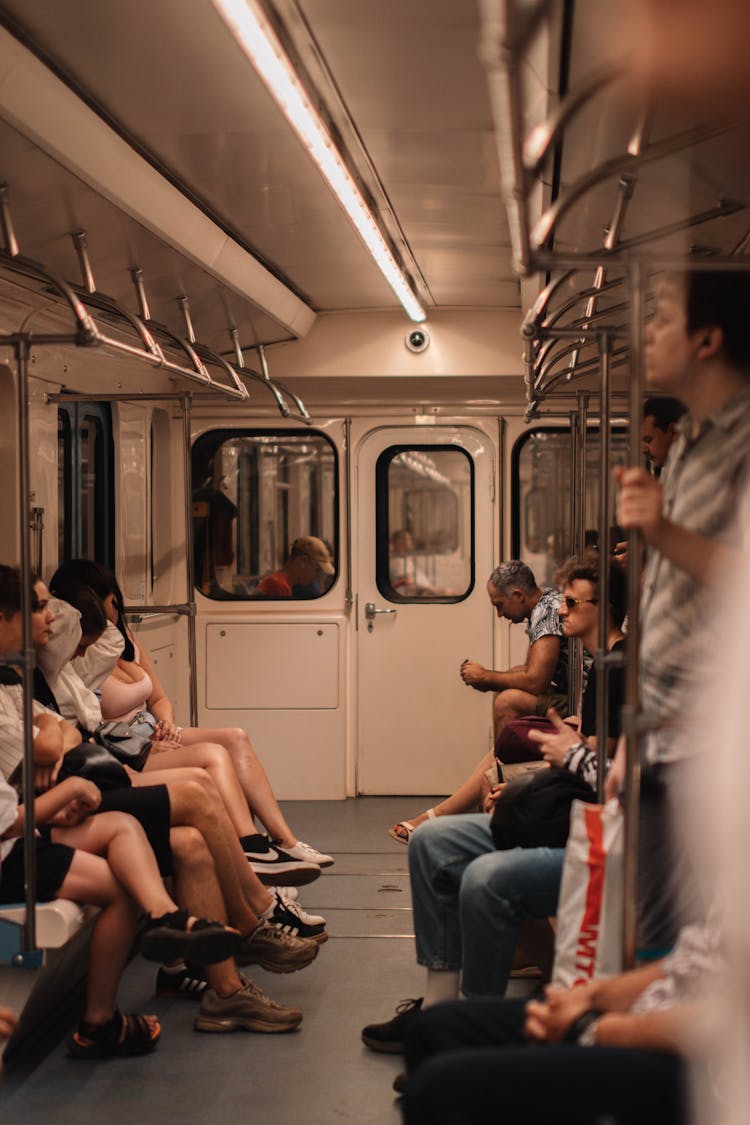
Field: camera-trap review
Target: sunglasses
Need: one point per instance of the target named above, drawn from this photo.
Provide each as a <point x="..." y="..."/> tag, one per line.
<point x="571" y="603"/>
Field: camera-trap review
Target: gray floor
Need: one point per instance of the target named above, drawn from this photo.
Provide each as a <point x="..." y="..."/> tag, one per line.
<point x="320" y="1075"/>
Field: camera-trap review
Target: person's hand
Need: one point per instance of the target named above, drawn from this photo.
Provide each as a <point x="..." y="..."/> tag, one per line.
<point x="616" y="776"/>
<point x="166" y="731"/>
<point x="494" y="794"/>
<point x="473" y="674"/>
<point x="46" y="776"/>
<point x="85" y="799"/>
<point x="548" y="1020"/>
<point x="158" y="745"/>
<point x="554" y="745"/>
<point x="8" y="1022"/>
<point x="639" y="502"/>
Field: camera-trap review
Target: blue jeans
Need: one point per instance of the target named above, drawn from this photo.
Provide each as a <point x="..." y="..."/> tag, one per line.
<point x="469" y="898"/>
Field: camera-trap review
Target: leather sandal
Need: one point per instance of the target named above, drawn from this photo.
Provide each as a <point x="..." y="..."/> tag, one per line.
<point x="406" y="828"/>
<point x="172" y="937"/>
<point x="121" y="1035"/>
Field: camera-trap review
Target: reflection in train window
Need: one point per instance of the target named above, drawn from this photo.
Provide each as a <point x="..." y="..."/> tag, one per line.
<point x="265" y="514"/>
<point x="425" y="523"/>
<point x="85" y="494"/>
<point x="542" y="494"/>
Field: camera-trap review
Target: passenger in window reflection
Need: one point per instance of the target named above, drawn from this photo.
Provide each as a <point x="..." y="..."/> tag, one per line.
<point x="406" y="578"/>
<point x="308" y="563"/>
<point x="319" y="585"/>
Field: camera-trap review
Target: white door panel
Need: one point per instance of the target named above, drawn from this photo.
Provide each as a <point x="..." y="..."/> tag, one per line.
<point x="420" y="728"/>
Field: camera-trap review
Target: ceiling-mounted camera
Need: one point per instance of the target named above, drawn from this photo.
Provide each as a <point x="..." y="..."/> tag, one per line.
<point x="418" y="340"/>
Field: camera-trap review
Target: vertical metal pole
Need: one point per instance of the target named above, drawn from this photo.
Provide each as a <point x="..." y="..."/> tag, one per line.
<point x="348" y="595"/>
<point x="24" y="489"/>
<point x="578" y="530"/>
<point x="575" y="661"/>
<point x="186" y="402"/>
<point x="602" y="668"/>
<point x="630" y="711"/>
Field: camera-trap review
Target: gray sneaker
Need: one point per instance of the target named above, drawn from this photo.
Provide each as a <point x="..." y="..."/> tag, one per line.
<point x="274" y="950"/>
<point x="246" y="1010"/>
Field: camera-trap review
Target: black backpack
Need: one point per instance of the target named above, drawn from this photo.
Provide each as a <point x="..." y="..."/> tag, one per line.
<point x="533" y="810"/>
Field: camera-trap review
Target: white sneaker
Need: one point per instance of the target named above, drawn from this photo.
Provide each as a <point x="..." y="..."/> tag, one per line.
<point x="291" y="894"/>
<point x="309" y="854"/>
<point x="309" y="919"/>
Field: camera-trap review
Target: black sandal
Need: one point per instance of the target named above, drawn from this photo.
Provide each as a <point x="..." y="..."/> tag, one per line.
<point x="169" y="938"/>
<point x="122" y="1035"/>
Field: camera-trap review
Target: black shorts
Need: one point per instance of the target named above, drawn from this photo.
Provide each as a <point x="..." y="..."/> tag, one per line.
<point x="151" y="808"/>
<point x="52" y="865"/>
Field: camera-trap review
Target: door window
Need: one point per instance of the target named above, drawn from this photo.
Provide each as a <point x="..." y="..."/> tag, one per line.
<point x="425" y="523"/>
<point x="85" y="492"/>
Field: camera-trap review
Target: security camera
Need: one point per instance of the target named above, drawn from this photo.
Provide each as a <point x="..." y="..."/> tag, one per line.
<point x="418" y="340"/>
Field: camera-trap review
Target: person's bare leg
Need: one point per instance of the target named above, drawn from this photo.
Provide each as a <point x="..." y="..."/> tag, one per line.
<point x="251" y="775"/>
<point x="197" y="890"/>
<point x="90" y="880"/>
<point x="195" y="802"/>
<point x="466" y="798"/>
<point x="121" y="840"/>
<point x="217" y="763"/>
<point x="511" y="704"/>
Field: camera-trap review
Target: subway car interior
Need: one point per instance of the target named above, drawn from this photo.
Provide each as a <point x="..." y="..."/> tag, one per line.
<point x="312" y="314"/>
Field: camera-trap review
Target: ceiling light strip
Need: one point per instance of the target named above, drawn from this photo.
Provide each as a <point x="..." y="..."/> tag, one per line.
<point x="260" y="44"/>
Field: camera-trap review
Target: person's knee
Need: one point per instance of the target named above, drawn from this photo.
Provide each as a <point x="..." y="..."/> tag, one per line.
<point x="189" y="848"/>
<point x="236" y="740"/>
<point x="509" y="704"/>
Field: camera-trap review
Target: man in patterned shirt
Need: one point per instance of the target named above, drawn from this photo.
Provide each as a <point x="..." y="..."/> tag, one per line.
<point x="542" y="681"/>
<point x="698" y="348"/>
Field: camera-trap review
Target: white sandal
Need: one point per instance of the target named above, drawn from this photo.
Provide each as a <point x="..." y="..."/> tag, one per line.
<point x="408" y="827"/>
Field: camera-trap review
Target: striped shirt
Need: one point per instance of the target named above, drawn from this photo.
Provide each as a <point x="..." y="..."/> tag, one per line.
<point x="700" y="492"/>
<point x="11" y="726"/>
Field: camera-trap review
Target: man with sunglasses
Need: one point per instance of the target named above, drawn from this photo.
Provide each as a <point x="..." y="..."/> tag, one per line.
<point x="469" y="899"/>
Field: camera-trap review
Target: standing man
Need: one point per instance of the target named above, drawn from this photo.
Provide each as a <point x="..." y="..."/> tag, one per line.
<point x="698" y="347"/>
<point x="542" y="681"/>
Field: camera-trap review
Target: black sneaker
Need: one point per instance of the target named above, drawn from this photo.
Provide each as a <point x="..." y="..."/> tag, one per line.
<point x="274" y="866"/>
<point x="388" y="1038"/>
<point x="186" y="982"/>
<point x="290" y="919"/>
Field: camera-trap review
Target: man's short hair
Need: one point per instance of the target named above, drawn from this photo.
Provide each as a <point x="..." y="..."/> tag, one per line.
<point x="586" y="569"/>
<point x="664" y="410"/>
<point x="513" y="575"/>
<point x="718" y="298"/>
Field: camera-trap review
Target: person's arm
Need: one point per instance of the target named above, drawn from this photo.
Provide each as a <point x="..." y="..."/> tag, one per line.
<point x="158" y="704"/>
<point x="74" y="798"/>
<point x="639" y="505"/>
<point x="679" y="1030"/>
<point x="534" y="677"/>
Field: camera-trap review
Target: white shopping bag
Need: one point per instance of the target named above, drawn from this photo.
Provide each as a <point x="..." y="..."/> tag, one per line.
<point x="589" y="913"/>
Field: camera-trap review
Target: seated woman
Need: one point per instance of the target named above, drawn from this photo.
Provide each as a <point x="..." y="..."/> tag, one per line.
<point x="579" y="619"/>
<point x="133" y="687"/>
<point x="117" y="872"/>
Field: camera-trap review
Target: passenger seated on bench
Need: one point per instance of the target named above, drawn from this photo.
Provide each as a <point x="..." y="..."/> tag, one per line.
<point x="209" y="866"/>
<point x="531" y="688"/>
<point x="134" y="681"/>
<point x="469" y="899"/>
<point x="309" y="560"/>
<point x="638" y="1029"/>
<point x="121" y="878"/>
<point x="177" y="797"/>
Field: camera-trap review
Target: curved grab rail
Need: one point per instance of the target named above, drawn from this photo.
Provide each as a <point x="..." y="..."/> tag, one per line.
<point x="87" y="331"/>
<point x="617" y="165"/>
<point x="236" y="389"/>
<point x="106" y="304"/>
<point x="542" y="137"/>
<point x="248" y="373"/>
<point x="303" y="411"/>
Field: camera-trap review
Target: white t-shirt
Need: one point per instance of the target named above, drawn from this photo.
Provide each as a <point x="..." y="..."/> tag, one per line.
<point x="8" y="810"/>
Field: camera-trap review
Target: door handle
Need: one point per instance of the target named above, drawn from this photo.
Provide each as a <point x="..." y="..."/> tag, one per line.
<point x="371" y="613"/>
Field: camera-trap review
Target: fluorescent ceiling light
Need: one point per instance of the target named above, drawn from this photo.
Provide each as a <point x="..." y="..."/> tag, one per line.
<point x="262" y="47"/>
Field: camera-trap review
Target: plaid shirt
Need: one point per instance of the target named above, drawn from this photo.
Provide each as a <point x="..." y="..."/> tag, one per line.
<point x="700" y="492"/>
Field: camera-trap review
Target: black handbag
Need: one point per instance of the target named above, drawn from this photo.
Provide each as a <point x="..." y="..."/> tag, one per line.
<point x="121" y="740"/>
<point x="533" y="810"/>
<point x="96" y="764"/>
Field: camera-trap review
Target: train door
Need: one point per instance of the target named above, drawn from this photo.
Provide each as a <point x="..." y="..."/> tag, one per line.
<point x="425" y="549"/>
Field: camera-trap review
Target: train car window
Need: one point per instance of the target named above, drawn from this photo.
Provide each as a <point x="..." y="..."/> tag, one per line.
<point x="160" y="501"/>
<point x="86" y="482"/>
<point x="541" y="475"/>
<point x="265" y="514"/>
<point x="425" y="523"/>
